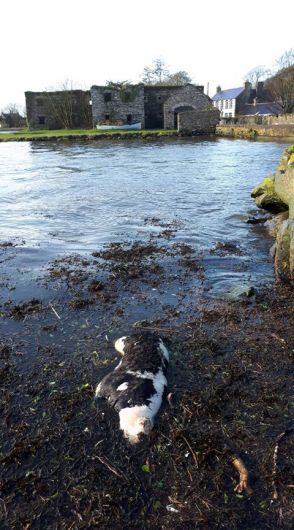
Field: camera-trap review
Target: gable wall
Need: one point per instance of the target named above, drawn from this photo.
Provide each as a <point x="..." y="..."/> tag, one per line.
<point x="188" y="95"/>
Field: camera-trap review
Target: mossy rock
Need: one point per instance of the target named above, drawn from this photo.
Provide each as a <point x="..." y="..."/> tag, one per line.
<point x="291" y="161"/>
<point x="266" y="197"/>
<point x="284" y="257"/>
<point x="282" y="167"/>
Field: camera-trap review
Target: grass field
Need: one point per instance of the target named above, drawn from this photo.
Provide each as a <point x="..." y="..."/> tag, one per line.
<point x="44" y="134"/>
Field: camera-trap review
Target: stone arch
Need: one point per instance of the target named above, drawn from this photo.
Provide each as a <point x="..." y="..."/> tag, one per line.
<point x="182" y="107"/>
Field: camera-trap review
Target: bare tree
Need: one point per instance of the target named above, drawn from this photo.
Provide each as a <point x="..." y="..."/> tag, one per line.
<point x="59" y="104"/>
<point x="280" y="85"/>
<point x="12" y="116"/>
<point x="68" y="106"/>
<point x="286" y="60"/>
<point x="178" y="78"/>
<point x="281" y="88"/>
<point x="155" y="74"/>
<point x="256" y="74"/>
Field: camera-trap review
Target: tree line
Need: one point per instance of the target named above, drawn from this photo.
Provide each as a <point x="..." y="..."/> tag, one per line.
<point x="279" y="82"/>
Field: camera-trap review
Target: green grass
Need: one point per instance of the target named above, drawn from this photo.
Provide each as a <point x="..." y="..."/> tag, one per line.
<point x="44" y="134"/>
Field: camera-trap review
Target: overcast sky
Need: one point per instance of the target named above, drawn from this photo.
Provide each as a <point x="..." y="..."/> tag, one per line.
<point x="91" y="41"/>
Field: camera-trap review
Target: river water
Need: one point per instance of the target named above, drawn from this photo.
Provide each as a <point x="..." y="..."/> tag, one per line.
<point x="65" y="197"/>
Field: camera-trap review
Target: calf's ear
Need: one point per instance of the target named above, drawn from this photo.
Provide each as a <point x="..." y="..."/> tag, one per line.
<point x="120" y="345"/>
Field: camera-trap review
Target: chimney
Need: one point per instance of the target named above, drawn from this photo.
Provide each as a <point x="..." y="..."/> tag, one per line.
<point x="218" y="89"/>
<point x="247" y="85"/>
<point x="259" y="89"/>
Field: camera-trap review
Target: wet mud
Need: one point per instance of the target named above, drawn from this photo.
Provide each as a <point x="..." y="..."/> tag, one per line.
<point x="63" y="461"/>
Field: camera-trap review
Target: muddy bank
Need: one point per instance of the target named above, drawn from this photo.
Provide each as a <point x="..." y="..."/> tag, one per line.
<point x="63" y="461"/>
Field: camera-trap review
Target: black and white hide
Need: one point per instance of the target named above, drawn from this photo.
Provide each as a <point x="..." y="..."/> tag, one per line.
<point x="136" y="387"/>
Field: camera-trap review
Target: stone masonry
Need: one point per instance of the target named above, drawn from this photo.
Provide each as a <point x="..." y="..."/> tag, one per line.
<point x="163" y="103"/>
<point x="186" y="98"/>
<point x="58" y="110"/>
<point x="198" y="122"/>
<point x="117" y="106"/>
<point x="153" y="107"/>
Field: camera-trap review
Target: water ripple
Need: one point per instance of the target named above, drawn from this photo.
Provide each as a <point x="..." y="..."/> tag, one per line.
<point x="86" y="195"/>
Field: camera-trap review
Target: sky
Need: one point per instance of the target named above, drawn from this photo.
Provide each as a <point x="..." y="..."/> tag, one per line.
<point x="92" y="41"/>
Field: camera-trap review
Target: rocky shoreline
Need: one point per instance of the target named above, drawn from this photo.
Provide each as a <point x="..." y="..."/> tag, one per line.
<point x="276" y="195"/>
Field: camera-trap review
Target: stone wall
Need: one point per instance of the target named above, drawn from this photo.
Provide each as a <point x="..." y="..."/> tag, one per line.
<point x="155" y="107"/>
<point x="117" y="106"/>
<point x="285" y="119"/>
<point x="154" y="99"/>
<point x="198" y="122"/>
<point x="58" y="110"/>
<point x="188" y="97"/>
<point x="253" y="131"/>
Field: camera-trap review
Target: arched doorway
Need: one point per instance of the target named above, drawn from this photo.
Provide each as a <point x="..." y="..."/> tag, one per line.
<point x="182" y="108"/>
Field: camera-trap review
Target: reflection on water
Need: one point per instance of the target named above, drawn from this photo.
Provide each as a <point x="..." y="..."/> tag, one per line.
<point x="75" y="197"/>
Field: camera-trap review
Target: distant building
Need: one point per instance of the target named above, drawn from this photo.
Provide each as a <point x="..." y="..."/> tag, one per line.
<point x="259" y="110"/>
<point x="243" y="101"/>
<point x="3" y="122"/>
<point x="164" y="103"/>
<point x="59" y="110"/>
<point x="155" y="107"/>
<point x="12" y="120"/>
<point x="117" y="105"/>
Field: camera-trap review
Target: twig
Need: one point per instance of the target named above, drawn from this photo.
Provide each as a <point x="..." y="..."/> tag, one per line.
<point x="191" y="450"/>
<point x="278" y="338"/>
<point x="54" y="311"/>
<point x="153" y="328"/>
<point x="243" y="485"/>
<point x="275" y="461"/>
<point x="111" y="468"/>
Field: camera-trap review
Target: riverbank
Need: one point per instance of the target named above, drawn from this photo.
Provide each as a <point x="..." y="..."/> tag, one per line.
<point x="63" y="461"/>
<point x="255" y="131"/>
<point x="98" y="240"/>
<point x="233" y="131"/>
<point x="276" y="195"/>
<point x="84" y="134"/>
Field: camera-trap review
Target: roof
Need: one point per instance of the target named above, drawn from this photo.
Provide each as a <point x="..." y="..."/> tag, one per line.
<point x="172" y="87"/>
<point x="231" y="93"/>
<point x="261" y="109"/>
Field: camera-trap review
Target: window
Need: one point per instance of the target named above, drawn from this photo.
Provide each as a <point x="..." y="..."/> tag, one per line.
<point x="159" y="98"/>
<point x="107" y="97"/>
<point x="129" y="118"/>
<point x="107" y="117"/>
<point x="41" y="120"/>
<point x="127" y="97"/>
<point x="227" y="104"/>
<point x="145" y="98"/>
